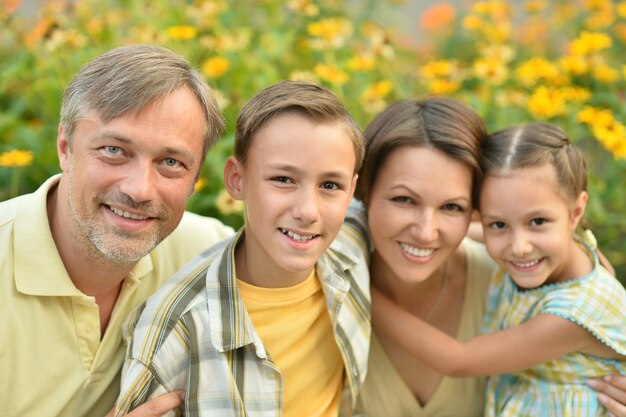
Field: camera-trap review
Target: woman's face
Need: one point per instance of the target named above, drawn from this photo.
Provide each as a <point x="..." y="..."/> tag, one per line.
<point x="419" y="210"/>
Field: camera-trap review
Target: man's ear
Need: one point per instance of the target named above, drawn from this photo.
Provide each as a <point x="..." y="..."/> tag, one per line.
<point x="233" y="178"/>
<point x="63" y="149"/>
<point x="578" y="210"/>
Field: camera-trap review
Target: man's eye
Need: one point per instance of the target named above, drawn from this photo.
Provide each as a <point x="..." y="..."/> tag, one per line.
<point x="171" y="162"/>
<point x="113" y="150"/>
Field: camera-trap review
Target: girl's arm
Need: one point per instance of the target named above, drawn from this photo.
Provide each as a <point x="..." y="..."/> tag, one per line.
<point x="540" y="339"/>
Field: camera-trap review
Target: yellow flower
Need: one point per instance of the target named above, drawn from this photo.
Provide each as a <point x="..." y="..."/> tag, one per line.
<point x="575" y="65"/>
<point x="331" y="74"/>
<point x="503" y="53"/>
<point x="605" y="74"/>
<point x="621" y="9"/>
<point x="620" y="32"/>
<point x="472" y="22"/>
<point x="576" y="94"/>
<point x="613" y="137"/>
<point x="438" y="68"/>
<point x="305" y="7"/>
<point x="589" y="42"/>
<point x="596" y="4"/>
<point x="303" y="76"/>
<point x="535" y="6"/>
<point x="535" y="69"/>
<point x="600" y="19"/>
<point x="181" y="32"/>
<point x="200" y="184"/>
<point x="545" y="103"/>
<point x="16" y="158"/>
<point x="330" y="33"/>
<point x="624" y="71"/>
<point x="593" y="116"/>
<point x="361" y="63"/>
<point x="379" y="89"/>
<point x="215" y="67"/>
<point x="225" y="204"/>
<point x="442" y="86"/>
<point x="372" y="98"/>
<point x="491" y="70"/>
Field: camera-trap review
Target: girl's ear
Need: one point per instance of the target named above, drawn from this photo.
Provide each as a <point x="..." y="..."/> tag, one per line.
<point x="578" y="209"/>
<point x="233" y="178"/>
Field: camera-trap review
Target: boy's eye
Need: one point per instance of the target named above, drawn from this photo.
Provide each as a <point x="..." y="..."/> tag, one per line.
<point x="402" y="199"/>
<point x="329" y="185"/>
<point x="284" y="180"/>
<point x="538" y="221"/>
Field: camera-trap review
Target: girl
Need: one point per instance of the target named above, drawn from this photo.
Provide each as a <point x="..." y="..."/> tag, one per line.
<point x="556" y="315"/>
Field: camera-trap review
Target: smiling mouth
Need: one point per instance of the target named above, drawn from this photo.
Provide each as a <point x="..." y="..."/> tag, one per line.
<point x="127" y="215"/>
<point x="526" y="264"/>
<point x="297" y="237"/>
<point x="414" y="251"/>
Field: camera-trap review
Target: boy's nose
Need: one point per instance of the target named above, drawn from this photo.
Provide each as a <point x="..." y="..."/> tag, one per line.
<point x="306" y="207"/>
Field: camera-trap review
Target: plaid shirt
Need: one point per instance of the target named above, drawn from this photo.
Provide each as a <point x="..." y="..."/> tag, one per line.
<point x="195" y="335"/>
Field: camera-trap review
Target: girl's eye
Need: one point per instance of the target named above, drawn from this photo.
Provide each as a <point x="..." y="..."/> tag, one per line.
<point x="402" y="199"/>
<point x="538" y="221"/>
<point x="497" y="225"/>
<point x="328" y="185"/>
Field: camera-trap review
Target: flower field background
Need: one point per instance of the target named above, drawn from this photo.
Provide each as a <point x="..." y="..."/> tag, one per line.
<point x="513" y="62"/>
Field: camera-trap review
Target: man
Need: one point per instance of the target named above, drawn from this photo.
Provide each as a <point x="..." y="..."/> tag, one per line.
<point x="92" y="243"/>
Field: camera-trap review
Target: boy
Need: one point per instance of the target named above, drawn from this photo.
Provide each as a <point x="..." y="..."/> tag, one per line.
<point x="274" y="321"/>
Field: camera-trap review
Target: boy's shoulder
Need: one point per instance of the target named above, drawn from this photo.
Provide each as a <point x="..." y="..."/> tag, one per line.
<point x="154" y="321"/>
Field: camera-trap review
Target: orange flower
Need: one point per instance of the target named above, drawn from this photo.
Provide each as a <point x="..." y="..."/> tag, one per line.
<point x="437" y="16"/>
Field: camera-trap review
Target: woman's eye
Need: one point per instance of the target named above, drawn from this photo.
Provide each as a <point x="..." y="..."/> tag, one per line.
<point x="402" y="199"/>
<point x="452" y="207"/>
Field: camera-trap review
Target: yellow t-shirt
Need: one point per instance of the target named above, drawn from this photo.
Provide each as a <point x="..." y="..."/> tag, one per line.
<point x="53" y="360"/>
<point x="295" y="328"/>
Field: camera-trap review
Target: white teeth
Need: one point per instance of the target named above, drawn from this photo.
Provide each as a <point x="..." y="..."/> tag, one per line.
<point x="297" y="237"/>
<point x="526" y="264"/>
<point x="412" y="250"/>
<point x="126" y="214"/>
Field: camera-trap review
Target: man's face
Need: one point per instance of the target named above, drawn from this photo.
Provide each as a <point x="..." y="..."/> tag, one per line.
<point x="128" y="180"/>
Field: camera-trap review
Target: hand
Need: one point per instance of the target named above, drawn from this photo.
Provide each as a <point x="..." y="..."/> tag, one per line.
<point x="611" y="393"/>
<point x="156" y="407"/>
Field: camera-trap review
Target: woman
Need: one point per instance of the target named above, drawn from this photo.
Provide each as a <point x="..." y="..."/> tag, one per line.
<point x="418" y="184"/>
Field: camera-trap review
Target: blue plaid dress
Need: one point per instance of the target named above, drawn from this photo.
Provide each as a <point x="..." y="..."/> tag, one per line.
<point x="558" y="388"/>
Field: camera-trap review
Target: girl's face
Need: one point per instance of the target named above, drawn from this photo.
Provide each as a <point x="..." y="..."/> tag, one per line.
<point x="529" y="225"/>
<point x="419" y="211"/>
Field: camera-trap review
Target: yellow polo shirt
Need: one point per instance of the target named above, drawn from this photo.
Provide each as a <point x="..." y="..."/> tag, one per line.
<point x="52" y="360"/>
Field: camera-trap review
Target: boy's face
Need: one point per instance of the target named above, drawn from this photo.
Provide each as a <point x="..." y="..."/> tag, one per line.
<point x="296" y="187"/>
